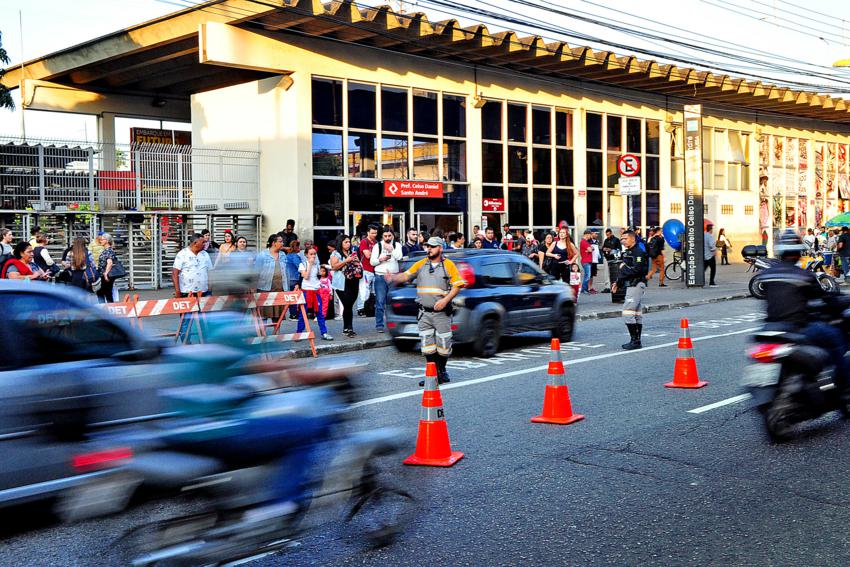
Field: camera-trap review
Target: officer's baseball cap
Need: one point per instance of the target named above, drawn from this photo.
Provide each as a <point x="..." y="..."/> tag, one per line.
<point x="434" y="241"/>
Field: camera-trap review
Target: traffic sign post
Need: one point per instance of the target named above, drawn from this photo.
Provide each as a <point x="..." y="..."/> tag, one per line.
<point x="629" y="187"/>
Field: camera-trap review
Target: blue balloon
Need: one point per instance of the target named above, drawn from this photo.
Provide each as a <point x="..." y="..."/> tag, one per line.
<point x="672" y="230"/>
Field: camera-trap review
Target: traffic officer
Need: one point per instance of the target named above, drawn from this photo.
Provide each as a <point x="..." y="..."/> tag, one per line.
<point x="437" y="283"/>
<point x="632" y="278"/>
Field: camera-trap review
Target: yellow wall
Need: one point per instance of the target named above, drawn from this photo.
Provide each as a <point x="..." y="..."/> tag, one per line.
<point x="277" y="122"/>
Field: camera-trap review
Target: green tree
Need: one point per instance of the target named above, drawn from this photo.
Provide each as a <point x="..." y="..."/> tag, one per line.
<point x="5" y="96"/>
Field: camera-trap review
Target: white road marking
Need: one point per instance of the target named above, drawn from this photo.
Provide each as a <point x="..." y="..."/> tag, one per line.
<point x="474" y="381"/>
<point x="721" y="403"/>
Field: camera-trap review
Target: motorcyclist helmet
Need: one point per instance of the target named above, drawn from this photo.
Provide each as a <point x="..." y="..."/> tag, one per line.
<point x="789" y="246"/>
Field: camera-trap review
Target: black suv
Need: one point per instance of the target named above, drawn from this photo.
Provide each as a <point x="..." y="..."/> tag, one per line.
<point x="505" y="294"/>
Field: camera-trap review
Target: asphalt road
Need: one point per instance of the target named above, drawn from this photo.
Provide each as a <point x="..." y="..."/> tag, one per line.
<point x="642" y="480"/>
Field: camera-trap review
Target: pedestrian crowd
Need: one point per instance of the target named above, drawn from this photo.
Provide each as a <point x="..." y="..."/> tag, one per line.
<point x="353" y="277"/>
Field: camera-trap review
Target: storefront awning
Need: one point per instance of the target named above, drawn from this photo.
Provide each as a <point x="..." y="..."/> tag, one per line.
<point x="162" y="56"/>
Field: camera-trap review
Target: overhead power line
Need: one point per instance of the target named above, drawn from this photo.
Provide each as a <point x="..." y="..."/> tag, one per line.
<point x="582" y="85"/>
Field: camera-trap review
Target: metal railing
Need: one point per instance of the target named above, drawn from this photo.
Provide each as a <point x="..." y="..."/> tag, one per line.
<point x="146" y="243"/>
<point x="66" y="176"/>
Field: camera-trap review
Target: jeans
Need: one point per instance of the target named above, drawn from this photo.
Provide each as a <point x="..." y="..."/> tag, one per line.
<point x="382" y="289"/>
<point x="293" y="309"/>
<point x="585" y="276"/>
<point x="312" y="295"/>
<point x="190" y="324"/>
<point x="845" y="265"/>
<point x="831" y="339"/>
<point x="711" y="266"/>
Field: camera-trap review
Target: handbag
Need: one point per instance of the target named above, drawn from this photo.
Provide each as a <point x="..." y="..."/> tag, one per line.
<point x="118" y="270"/>
<point x="353" y="270"/>
<point x="92" y="277"/>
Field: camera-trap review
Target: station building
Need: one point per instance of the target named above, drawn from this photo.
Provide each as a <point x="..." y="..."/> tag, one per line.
<point x="338" y="99"/>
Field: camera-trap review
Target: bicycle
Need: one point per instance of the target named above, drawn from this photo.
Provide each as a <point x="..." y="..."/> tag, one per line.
<point x="675" y="270"/>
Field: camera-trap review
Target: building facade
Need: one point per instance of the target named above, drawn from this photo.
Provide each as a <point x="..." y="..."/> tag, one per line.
<point x="338" y="100"/>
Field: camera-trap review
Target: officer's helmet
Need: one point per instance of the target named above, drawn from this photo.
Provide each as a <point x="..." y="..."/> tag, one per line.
<point x="789" y="246"/>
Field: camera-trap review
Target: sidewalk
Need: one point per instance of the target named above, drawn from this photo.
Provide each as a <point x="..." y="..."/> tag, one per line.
<point x="731" y="280"/>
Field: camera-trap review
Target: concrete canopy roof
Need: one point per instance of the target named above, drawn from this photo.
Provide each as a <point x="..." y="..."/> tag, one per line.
<point x="161" y="57"/>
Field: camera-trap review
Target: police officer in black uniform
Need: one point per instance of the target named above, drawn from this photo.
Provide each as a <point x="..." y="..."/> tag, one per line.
<point x="632" y="278"/>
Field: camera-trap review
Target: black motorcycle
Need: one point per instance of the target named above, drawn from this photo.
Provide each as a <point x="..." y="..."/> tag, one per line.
<point x="756" y="257"/>
<point x="790" y="379"/>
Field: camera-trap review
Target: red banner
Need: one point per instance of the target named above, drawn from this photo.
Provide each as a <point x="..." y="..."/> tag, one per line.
<point x="420" y="189"/>
<point x="493" y="205"/>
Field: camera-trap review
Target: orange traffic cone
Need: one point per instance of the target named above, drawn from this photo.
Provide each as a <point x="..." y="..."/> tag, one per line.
<point x="685" y="374"/>
<point x="433" y="448"/>
<point x="556" y="402"/>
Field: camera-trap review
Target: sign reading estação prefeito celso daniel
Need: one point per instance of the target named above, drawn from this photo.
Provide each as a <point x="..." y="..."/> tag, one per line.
<point x="694" y="212"/>
<point x="416" y="189"/>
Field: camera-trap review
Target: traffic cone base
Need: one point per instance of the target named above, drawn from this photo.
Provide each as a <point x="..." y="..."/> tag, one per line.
<point x="685" y="375"/>
<point x="558" y="420"/>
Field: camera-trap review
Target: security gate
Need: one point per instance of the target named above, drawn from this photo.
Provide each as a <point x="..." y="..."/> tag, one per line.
<point x="145" y="242"/>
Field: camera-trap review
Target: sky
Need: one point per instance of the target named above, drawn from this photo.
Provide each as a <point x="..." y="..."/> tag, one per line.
<point x="817" y="37"/>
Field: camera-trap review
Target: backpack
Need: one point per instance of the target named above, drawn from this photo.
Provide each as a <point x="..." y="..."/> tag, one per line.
<point x="4" y="259"/>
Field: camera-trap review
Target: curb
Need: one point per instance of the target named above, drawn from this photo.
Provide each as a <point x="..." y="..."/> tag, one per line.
<point x="363" y="344"/>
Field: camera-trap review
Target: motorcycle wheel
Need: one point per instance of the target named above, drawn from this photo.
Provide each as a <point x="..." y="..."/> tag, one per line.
<point x="380" y="513"/>
<point x="778" y="417"/>
<point x="139" y="545"/>
<point x="828" y="283"/>
<point x="756" y="288"/>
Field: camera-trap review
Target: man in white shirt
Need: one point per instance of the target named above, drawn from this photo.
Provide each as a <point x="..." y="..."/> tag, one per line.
<point x="385" y="257"/>
<point x="191" y="275"/>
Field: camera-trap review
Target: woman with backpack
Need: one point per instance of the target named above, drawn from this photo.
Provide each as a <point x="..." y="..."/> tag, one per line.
<point x="81" y="264"/>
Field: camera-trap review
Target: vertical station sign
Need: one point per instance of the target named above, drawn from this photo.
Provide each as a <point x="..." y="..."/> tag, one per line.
<point x="694" y="211"/>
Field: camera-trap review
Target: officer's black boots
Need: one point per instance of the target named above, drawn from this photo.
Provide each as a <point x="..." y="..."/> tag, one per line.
<point x="634" y="334"/>
<point x="442" y="374"/>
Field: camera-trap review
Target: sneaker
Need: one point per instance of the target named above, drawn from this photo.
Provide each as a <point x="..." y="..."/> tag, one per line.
<point x="593" y="292"/>
<point x="351" y="333"/>
<point x="361" y="313"/>
<point x="633" y="345"/>
<point x="712" y="285"/>
<point x="327" y="337"/>
<point x="293" y="317"/>
<point x="380" y="329"/>
<point x="662" y="285"/>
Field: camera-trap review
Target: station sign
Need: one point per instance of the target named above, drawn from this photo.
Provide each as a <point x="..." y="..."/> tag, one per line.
<point x="415" y="189"/>
<point x="628" y="165"/>
<point x="493" y="205"/>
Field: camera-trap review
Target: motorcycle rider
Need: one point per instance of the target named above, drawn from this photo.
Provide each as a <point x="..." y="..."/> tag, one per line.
<point x="788" y="289"/>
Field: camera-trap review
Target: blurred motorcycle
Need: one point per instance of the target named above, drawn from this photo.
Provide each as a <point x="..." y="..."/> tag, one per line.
<point x="790" y="378"/>
<point x="756" y="257"/>
<point x="241" y="473"/>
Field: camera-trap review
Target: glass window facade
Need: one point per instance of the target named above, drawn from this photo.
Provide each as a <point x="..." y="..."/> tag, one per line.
<point x="387" y="133"/>
<point x="527" y="160"/>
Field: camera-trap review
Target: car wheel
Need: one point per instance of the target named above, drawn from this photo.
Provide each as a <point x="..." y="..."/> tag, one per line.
<point x="565" y="326"/>
<point x="404" y="346"/>
<point x="487" y="342"/>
